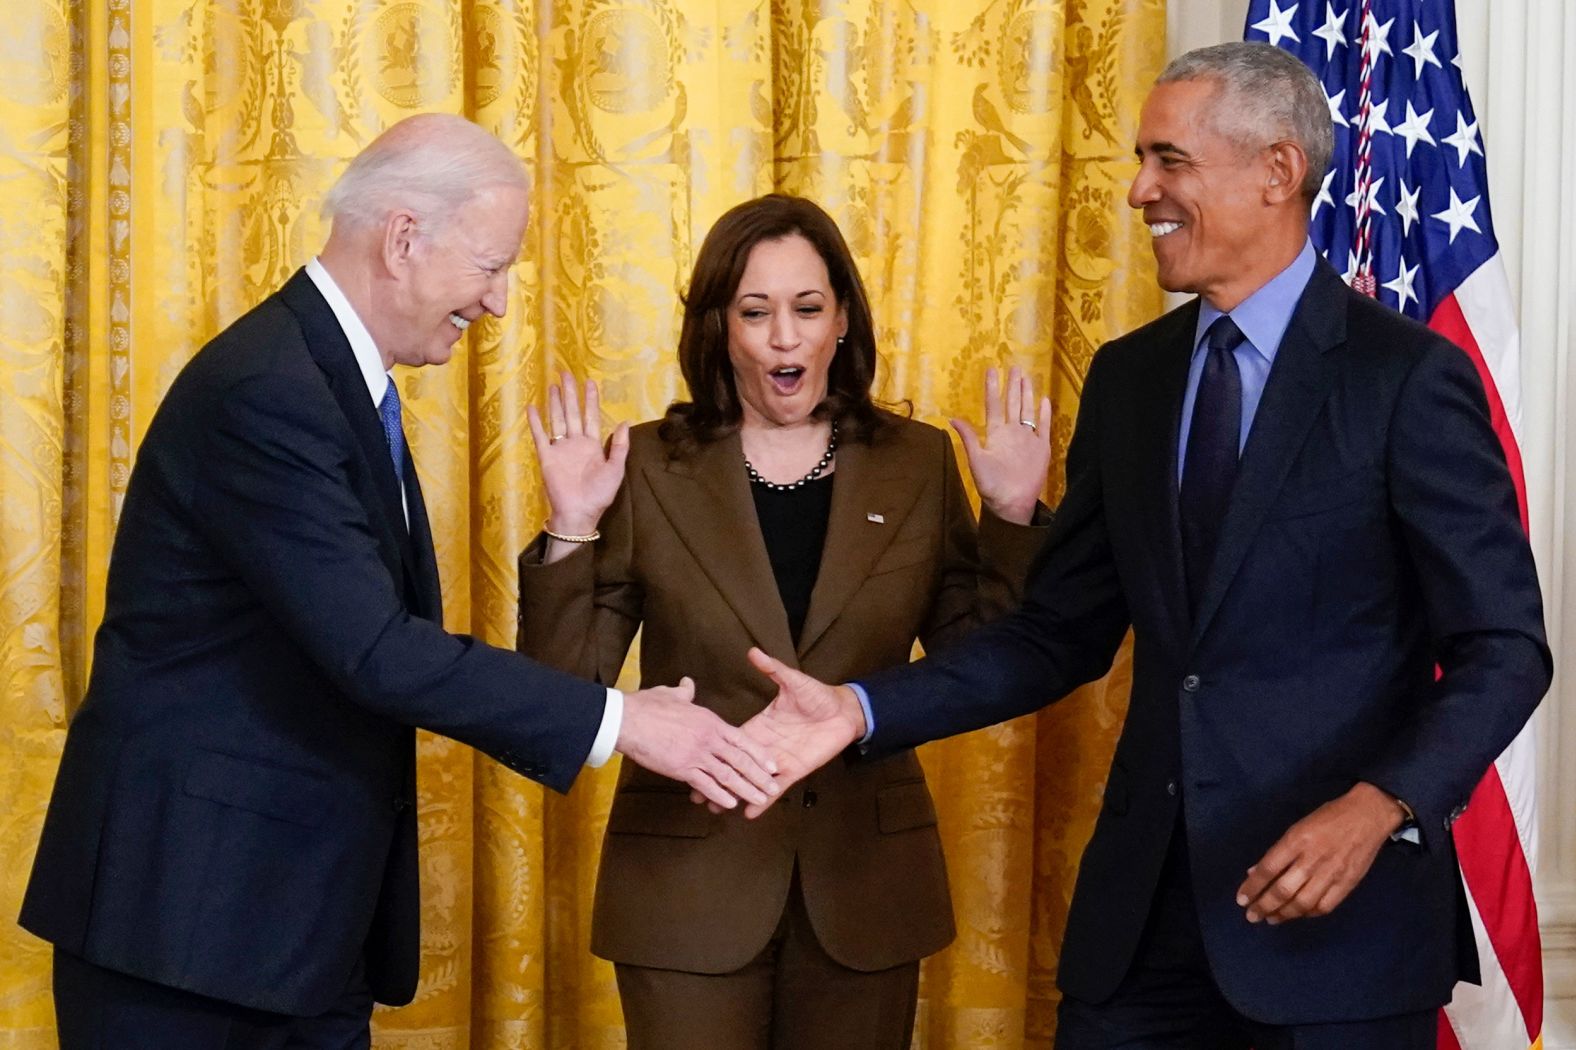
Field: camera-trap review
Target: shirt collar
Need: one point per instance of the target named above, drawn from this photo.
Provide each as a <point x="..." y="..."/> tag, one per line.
<point x="361" y="344"/>
<point x="1265" y="315"/>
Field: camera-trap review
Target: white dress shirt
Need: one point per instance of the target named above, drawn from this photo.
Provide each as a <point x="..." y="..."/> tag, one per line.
<point x="370" y="361"/>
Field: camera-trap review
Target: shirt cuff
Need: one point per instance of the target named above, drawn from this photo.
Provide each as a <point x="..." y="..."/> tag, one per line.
<point x="870" y="719"/>
<point x="607" y="735"/>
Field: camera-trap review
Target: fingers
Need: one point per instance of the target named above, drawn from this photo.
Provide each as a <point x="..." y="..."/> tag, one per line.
<point x="593" y="413"/>
<point x="995" y="411"/>
<point x="714" y="793"/>
<point x="618" y="447"/>
<point x="538" y="434"/>
<point x="1045" y="420"/>
<point x="573" y="424"/>
<point x="1015" y="381"/>
<point x="556" y="426"/>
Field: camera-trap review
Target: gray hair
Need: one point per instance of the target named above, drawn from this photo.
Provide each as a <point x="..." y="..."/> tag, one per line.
<point x="431" y="163"/>
<point x="1266" y="95"/>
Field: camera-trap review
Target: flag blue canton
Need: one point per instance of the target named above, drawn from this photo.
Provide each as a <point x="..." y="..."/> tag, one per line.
<point x="1429" y="225"/>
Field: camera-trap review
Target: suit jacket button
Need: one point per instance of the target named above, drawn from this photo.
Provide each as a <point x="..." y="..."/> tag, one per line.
<point x="1171" y="788"/>
<point x="809" y="799"/>
<point x="1190" y="684"/>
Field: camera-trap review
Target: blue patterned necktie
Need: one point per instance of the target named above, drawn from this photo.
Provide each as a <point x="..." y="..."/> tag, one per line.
<point x="1209" y="468"/>
<point x="388" y="411"/>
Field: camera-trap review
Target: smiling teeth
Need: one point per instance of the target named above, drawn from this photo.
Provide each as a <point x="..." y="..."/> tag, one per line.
<point x="1160" y="229"/>
<point x="459" y="322"/>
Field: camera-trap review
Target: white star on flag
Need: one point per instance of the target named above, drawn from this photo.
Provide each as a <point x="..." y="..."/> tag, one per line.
<point x="1464" y="140"/>
<point x="1351" y="268"/>
<point x="1406" y="207"/>
<point x="1377" y="119"/>
<point x="1421" y="49"/>
<point x="1374" y="207"/>
<point x="1324" y="194"/>
<point x="1335" y="101"/>
<point x="1402" y="285"/>
<point x="1415" y="128"/>
<point x="1459" y="215"/>
<point x="1378" y="39"/>
<point x="1333" y="32"/>
<point x="1278" y="24"/>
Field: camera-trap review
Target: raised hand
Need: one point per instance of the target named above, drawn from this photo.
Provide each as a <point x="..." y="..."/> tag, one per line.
<point x="666" y="732"/>
<point x="1321" y="858"/>
<point x="807" y="725"/>
<point x="1009" y="466"/>
<point x="580" y="476"/>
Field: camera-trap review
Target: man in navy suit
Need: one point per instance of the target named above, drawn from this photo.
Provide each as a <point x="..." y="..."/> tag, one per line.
<point x="229" y="858"/>
<point x="1293" y="497"/>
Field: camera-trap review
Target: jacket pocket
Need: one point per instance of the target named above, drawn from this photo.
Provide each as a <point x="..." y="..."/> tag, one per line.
<point x="292" y="795"/>
<point x="903" y="807"/>
<point x="658" y="813"/>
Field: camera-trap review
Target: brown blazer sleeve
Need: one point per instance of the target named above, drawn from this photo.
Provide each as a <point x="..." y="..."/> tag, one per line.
<point x="580" y="613"/>
<point x="983" y="571"/>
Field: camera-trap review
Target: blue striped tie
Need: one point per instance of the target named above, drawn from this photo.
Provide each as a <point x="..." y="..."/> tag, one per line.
<point x="388" y="411"/>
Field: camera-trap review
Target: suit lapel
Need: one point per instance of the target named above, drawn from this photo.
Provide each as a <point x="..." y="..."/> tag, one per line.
<point x="331" y="350"/>
<point x="1157" y="416"/>
<point x="1299" y="382"/>
<point x="424" y="564"/>
<point x="706" y="498"/>
<point x="853" y="539"/>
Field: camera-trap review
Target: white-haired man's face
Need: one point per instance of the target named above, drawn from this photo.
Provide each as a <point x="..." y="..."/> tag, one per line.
<point x="450" y="276"/>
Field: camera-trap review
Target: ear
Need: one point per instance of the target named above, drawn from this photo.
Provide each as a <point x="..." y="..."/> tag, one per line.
<point x="399" y="240"/>
<point x="842" y="320"/>
<point x="1287" y="167"/>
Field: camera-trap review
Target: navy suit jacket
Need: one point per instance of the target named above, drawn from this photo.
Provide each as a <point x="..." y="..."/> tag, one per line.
<point x="234" y="812"/>
<point x="1373" y="533"/>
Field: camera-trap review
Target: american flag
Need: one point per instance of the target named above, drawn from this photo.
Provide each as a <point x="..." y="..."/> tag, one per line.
<point x="1404" y="214"/>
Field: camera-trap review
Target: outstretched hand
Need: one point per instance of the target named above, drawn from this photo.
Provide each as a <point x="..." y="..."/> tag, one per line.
<point x="668" y="733"/>
<point x="805" y="726"/>
<point x="1009" y="466"/>
<point x="579" y="475"/>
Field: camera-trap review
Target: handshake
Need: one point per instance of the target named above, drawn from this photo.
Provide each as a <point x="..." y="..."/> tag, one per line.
<point x="805" y="726"/>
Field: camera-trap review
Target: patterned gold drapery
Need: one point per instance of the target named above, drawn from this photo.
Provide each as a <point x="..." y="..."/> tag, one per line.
<point x="160" y="160"/>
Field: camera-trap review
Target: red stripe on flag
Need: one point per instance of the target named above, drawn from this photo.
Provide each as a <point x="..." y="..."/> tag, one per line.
<point x="1447" y="1036"/>
<point x="1487" y="844"/>
<point x="1496" y="871"/>
<point x="1449" y="322"/>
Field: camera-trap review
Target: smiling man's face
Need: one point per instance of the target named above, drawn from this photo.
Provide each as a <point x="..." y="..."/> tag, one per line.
<point x="1203" y="197"/>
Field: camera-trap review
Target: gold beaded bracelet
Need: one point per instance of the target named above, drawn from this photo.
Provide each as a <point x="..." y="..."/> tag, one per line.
<point x="590" y="537"/>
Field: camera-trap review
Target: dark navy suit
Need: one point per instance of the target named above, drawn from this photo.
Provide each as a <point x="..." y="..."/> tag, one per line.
<point x="234" y="813"/>
<point x="1372" y="533"/>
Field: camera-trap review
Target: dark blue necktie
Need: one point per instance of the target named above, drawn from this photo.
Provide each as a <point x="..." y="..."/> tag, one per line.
<point x="388" y="411"/>
<point x="1209" y="468"/>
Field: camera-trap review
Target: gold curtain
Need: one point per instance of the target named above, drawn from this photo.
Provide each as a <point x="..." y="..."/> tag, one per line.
<point x="160" y="160"/>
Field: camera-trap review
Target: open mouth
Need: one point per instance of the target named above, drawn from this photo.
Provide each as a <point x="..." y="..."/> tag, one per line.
<point x="459" y="322"/>
<point x="1163" y="229"/>
<point x="787" y="378"/>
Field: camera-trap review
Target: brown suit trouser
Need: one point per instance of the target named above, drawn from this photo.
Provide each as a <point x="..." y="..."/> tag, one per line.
<point x="792" y="996"/>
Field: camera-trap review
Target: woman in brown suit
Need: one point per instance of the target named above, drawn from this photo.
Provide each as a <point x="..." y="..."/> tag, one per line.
<point x="778" y="507"/>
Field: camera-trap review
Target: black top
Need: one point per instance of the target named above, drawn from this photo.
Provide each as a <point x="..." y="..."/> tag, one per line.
<point x="793" y="524"/>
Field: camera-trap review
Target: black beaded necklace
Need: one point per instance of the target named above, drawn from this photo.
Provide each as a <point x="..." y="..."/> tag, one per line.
<point x="815" y="471"/>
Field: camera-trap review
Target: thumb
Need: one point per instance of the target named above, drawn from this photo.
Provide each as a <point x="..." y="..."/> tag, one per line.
<point x="971" y="441"/>
<point x="771" y="667"/>
<point x="686" y="689"/>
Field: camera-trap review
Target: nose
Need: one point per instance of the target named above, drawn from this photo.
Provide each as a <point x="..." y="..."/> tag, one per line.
<point x="784" y="334"/>
<point x="496" y="299"/>
<point x="1144" y="189"/>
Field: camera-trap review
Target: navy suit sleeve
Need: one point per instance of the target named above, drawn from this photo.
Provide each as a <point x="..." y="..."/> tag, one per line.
<point x="1452" y="495"/>
<point x="274" y="495"/>
<point x="1065" y="633"/>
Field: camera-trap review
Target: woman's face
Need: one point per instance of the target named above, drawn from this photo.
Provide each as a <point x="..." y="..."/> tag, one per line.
<point x="783" y="327"/>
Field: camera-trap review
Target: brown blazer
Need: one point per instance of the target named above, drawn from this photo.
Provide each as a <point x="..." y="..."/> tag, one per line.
<point x="681" y="888"/>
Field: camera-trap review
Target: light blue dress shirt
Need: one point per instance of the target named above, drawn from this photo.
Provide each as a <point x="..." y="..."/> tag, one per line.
<point x="1263" y="318"/>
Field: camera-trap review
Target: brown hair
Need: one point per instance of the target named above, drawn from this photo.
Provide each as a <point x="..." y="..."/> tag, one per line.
<point x="714" y="410"/>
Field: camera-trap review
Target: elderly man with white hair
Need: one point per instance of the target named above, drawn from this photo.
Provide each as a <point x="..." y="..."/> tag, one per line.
<point x="229" y="858"/>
